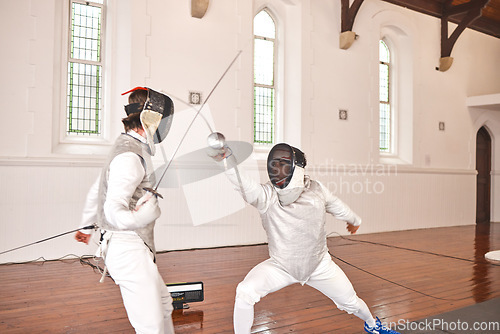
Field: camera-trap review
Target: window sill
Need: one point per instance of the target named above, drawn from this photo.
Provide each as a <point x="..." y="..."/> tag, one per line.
<point x="83" y="146"/>
<point x="392" y="159"/>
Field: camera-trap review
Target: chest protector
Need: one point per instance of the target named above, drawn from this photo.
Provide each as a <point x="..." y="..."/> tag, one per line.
<point x="296" y="232"/>
<point x="126" y="143"/>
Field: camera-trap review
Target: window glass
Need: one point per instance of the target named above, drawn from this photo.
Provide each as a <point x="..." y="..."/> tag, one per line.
<point x="385" y="118"/>
<point x="264" y="78"/>
<point x="84" y="86"/>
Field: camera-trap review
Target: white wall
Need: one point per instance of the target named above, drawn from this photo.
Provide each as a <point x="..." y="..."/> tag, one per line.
<point x="44" y="178"/>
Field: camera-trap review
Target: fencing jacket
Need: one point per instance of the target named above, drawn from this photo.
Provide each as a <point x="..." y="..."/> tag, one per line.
<point x="296" y="232"/>
<point x="130" y="163"/>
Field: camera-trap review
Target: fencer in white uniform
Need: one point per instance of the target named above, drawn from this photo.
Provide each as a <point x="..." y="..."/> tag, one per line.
<point x="126" y="215"/>
<point x="293" y="211"/>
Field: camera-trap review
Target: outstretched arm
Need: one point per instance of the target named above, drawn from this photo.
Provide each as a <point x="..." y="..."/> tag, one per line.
<point x="254" y="192"/>
<point x="89" y="214"/>
<point x="340" y="210"/>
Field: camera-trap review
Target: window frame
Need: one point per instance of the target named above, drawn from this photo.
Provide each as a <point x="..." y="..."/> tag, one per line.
<point x="399" y="35"/>
<point x="391" y="147"/>
<point x="97" y="111"/>
<point x="274" y="112"/>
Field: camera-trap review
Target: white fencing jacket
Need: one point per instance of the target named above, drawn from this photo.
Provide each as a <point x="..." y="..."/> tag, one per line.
<point x="126" y="175"/>
<point x="296" y="232"/>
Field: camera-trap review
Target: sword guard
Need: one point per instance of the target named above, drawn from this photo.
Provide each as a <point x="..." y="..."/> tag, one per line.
<point x="154" y="192"/>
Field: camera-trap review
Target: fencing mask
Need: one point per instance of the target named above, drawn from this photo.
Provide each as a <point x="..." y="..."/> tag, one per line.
<point x="156" y="115"/>
<point x="285" y="167"/>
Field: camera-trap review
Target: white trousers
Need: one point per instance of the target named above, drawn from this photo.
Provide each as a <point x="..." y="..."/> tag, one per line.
<point x="145" y="296"/>
<point x="269" y="276"/>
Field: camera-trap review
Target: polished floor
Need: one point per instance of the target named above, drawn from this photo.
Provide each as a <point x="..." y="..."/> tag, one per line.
<point x="402" y="276"/>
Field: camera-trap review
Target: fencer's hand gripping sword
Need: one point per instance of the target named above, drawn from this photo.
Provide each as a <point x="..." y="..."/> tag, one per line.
<point x="217" y="142"/>
<point x="154" y="191"/>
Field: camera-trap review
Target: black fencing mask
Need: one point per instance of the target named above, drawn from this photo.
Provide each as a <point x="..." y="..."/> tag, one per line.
<point x="285" y="167"/>
<point x="282" y="161"/>
<point x="156" y="115"/>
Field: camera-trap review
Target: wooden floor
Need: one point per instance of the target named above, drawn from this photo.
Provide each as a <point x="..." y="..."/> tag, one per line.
<point x="65" y="296"/>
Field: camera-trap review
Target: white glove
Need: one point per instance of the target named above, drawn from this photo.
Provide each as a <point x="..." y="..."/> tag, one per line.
<point x="148" y="211"/>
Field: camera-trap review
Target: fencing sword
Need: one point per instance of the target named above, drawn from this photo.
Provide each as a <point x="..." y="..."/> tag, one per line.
<point x="187" y="104"/>
<point x="89" y="227"/>
<point x="217" y="142"/>
<point x="154" y="191"/>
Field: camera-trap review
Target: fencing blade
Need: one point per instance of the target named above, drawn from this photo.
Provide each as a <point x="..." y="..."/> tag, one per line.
<point x="89" y="227"/>
<point x="198" y="165"/>
<point x="162" y="175"/>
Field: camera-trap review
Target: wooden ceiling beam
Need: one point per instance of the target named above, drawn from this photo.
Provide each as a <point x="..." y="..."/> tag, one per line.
<point x="434" y="8"/>
<point x="348" y="15"/>
<point x="450" y="10"/>
<point x="472" y="10"/>
<point x="463" y="14"/>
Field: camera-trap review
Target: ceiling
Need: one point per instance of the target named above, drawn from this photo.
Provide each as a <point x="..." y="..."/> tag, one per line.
<point x="488" y="23"/>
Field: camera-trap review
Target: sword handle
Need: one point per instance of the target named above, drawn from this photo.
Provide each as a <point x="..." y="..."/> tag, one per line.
<point x="154" y="192"/>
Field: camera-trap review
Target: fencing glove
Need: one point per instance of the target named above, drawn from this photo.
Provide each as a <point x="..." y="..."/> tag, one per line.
<point x="147" y="211"/>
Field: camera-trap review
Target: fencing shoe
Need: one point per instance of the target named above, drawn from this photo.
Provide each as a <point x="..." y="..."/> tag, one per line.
<point x="379" y="328"/>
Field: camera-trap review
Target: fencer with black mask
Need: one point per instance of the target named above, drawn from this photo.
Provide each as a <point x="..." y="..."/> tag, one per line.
<point x="125" y="212"/>
<point x="293" y="211"/>
<point x="285" y="167"/>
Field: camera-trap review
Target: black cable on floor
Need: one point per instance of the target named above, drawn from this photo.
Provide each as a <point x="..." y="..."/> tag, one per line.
<point x="403" y="248"/>
<point x="392" y="282"/>
<point x="415" y="250"/>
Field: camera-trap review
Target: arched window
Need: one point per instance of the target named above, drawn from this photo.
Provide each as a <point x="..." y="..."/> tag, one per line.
<point x="385" y="115"/>
<point x="264" y="29"/>
<point x="85" y="68"/>
<point x="393" y="49"/>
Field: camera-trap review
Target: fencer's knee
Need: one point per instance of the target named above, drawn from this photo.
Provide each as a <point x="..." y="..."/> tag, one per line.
<point x="242" y="304"/>
<point x="352" y="305"/>
<point x="245" y="294"/>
